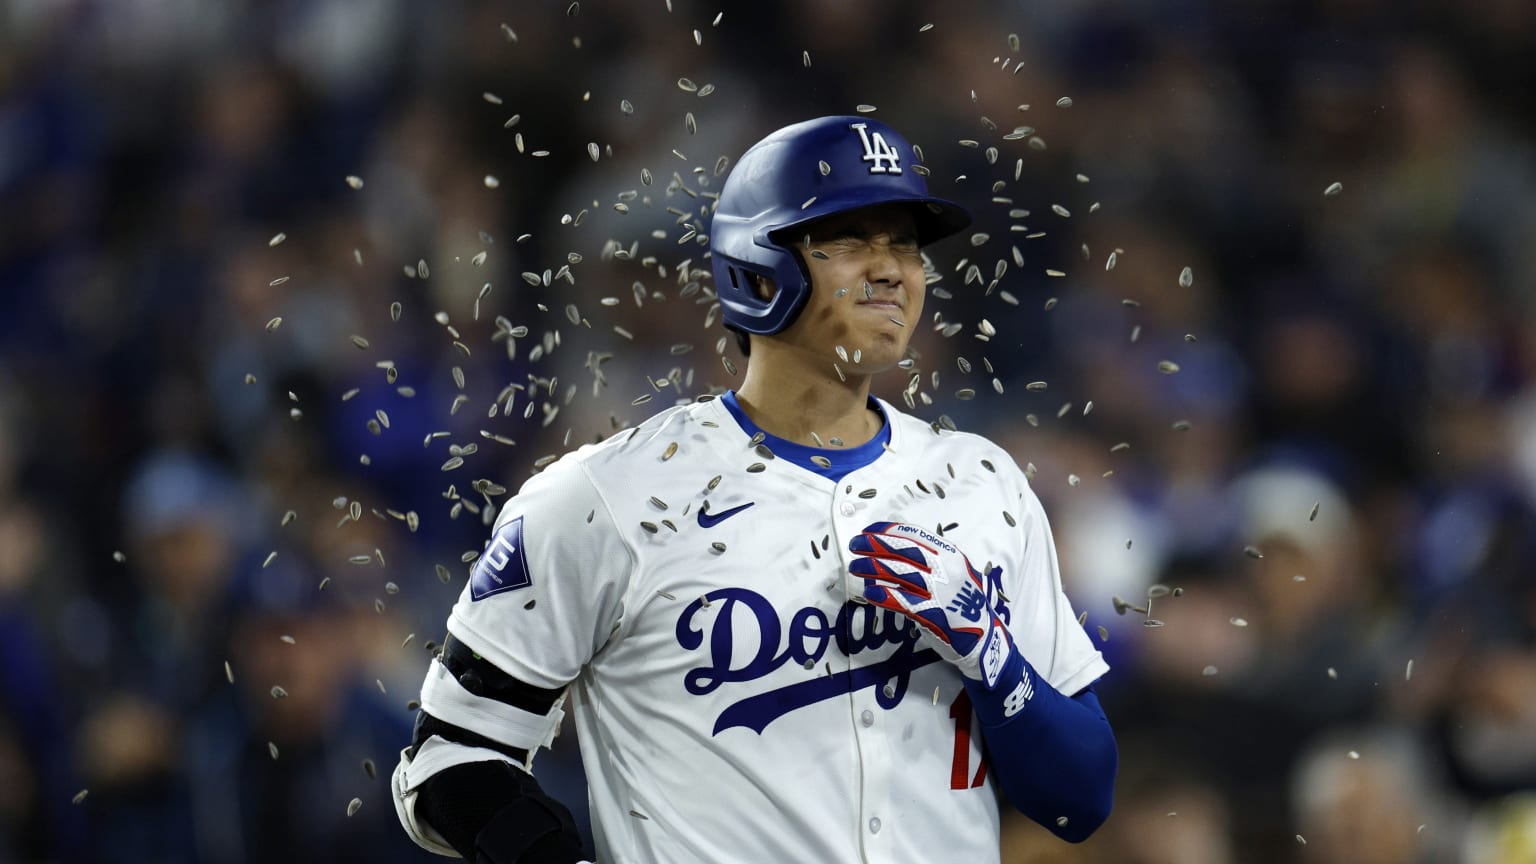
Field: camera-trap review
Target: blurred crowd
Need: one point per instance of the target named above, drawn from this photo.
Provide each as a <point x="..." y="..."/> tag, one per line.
<point x="294" y="293"/>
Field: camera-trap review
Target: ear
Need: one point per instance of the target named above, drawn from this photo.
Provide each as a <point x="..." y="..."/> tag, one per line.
<point x="763" y="286"/>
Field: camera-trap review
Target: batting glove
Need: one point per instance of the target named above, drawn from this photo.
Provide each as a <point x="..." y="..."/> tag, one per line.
<point x="908" y="570"/>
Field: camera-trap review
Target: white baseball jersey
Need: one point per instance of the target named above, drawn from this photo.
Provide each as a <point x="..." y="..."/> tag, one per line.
<point x="733" y="704"/>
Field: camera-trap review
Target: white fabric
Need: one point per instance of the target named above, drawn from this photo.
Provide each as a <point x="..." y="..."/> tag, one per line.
<point x="752" y="727"/>
<point x="445" y="698"/>
<point x="435" y="754"/>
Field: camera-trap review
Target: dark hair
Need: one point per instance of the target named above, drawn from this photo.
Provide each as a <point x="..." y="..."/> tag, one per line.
<point x="744" y="342"/>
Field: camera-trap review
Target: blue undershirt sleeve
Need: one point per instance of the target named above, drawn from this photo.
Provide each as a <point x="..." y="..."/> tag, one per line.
<point x="1055" y="756"/>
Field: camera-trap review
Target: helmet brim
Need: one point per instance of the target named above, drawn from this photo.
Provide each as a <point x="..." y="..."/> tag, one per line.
<point x="934" y="218"/>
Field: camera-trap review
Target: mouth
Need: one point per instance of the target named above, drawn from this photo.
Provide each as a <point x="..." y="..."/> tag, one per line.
<point x="881" y="304"/>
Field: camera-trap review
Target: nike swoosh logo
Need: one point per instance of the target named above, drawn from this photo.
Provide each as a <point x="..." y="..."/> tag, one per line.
<point x="710" y="520"/>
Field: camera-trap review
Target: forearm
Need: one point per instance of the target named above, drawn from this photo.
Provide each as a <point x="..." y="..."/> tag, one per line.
<point x="495" y="813"/>
<point x="1054" y="755"/>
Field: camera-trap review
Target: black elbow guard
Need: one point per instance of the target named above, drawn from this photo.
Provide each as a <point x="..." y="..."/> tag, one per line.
<point x="494" y="813"/>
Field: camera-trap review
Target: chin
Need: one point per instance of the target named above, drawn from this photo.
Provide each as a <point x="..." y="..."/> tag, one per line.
<point x="878" y="358"/>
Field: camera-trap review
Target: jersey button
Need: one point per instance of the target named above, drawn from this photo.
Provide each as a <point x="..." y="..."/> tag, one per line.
<point x="874" y="825"/>
<point x="867" y="718"/>
<point x="847" y="508"/>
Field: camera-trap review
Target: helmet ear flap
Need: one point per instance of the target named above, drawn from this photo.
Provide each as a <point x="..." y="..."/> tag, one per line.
<point x="748" y="309"/>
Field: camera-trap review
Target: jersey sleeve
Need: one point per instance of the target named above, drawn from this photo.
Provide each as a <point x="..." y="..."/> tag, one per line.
<point x="1042" y="624"/>
<point x="547" y="592"/>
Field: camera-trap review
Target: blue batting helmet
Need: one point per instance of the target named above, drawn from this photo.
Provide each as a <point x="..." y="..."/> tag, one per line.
<point x="797" y="175"/>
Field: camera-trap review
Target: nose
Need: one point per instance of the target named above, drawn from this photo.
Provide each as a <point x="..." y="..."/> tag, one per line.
<point x="883" y="263"/>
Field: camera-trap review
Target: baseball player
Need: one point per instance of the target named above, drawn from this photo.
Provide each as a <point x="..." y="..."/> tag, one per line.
<point x="795" y="623"/>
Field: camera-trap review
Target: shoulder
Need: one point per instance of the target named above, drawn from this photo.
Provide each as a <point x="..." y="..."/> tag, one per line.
<point x="622" y="447"/>
<point x="620" y="460"/>
<point x="938" y="440"/>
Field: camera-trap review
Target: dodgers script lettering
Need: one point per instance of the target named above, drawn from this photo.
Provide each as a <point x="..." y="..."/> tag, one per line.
<point x="857" y="628"/>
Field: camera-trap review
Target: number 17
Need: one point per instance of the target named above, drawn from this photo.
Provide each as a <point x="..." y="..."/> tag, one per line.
<point x="960" y="768"/>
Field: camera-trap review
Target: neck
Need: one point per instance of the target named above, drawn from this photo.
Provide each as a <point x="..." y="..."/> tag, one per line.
<point x="791" y="396"/>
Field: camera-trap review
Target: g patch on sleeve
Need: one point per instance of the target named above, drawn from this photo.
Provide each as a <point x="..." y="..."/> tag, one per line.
<point x="503" y="567"/>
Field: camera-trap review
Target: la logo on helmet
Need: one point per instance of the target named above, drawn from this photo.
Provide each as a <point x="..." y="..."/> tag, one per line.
<point x="886" y="160"/>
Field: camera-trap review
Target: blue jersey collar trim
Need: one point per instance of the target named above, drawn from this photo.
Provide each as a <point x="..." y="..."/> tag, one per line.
<point x="844" y="460"/>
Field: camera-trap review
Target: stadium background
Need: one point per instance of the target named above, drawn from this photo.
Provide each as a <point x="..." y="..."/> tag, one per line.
<point x="1371" y="352"/>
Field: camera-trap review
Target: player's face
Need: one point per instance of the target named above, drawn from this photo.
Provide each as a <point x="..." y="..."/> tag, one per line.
<point x="874" y="247"/>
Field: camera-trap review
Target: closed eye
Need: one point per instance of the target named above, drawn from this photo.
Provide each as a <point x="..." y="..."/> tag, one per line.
<point x="899" y="242"/>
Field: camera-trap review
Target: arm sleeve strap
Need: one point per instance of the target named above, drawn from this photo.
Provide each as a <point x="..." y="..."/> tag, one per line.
<point x="476" y="725"/>
<point x="444" y="696"/>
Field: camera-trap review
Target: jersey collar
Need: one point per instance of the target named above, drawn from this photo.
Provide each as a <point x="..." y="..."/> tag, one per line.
<point x="844" y="460"/>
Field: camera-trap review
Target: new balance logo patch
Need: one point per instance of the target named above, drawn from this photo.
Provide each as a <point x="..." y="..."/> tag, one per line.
<point x="1015" y="701"/>
<point x="968" y="603"/>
